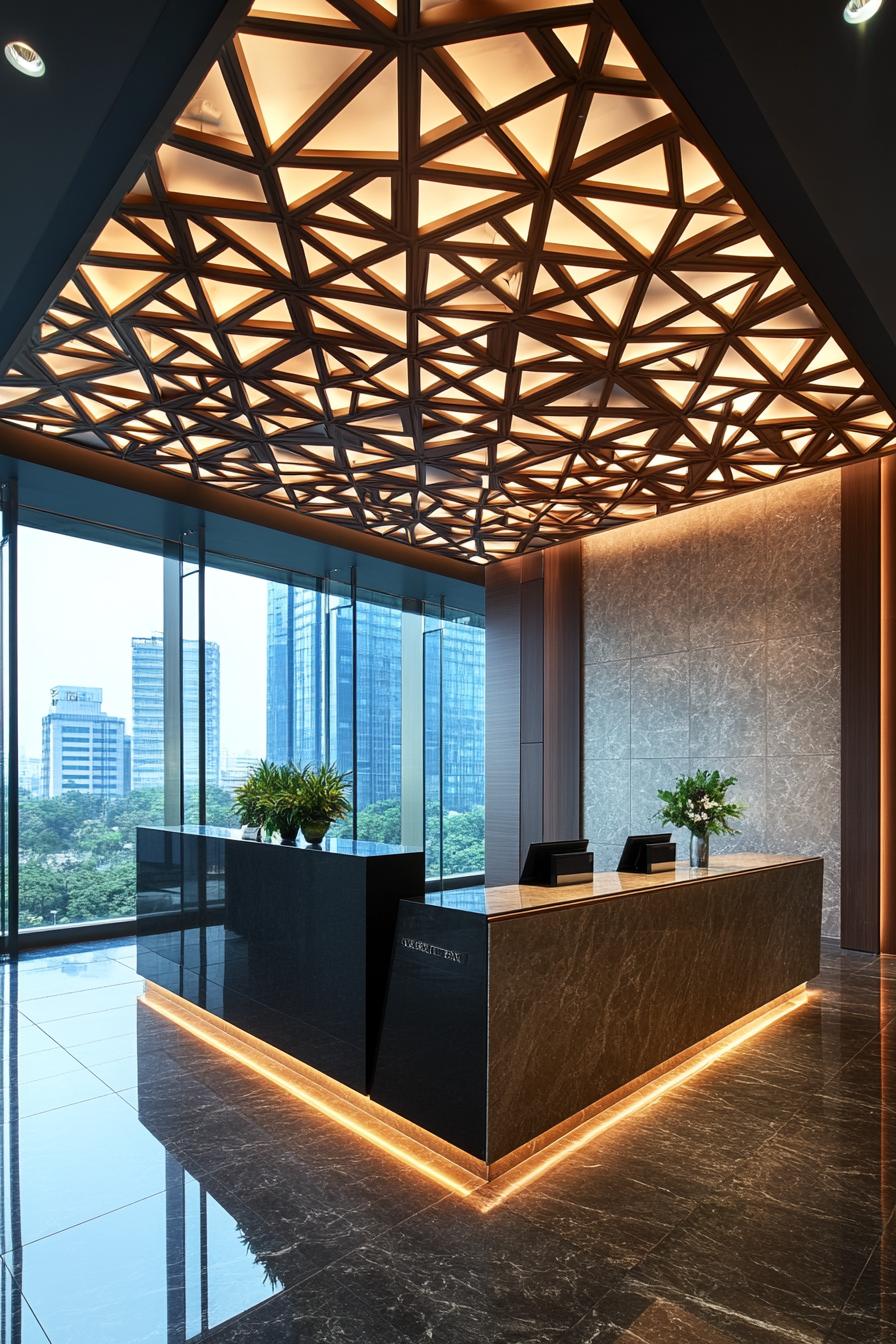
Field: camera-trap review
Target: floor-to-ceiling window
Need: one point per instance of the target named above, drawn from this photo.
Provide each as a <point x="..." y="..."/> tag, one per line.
<point x="151" y="678"/>
<point x="378" y="711"/>
<point x="238" y="702"/>
<point x="90" y="725"/>
<point x="309" y="671"/>
<point x="454" y="741"/>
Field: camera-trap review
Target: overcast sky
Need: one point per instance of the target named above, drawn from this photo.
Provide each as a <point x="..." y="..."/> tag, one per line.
<point x="81" y="602"/>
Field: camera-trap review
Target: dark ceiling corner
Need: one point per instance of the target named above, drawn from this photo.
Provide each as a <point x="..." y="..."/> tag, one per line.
<point x="113" y="86"/>
<point x="799" y="105"/>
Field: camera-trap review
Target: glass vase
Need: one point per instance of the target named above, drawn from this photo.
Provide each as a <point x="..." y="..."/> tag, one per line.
<point x="699" y="850"/>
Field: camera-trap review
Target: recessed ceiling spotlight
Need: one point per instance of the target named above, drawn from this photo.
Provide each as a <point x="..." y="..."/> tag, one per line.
<point x="860" y="11"/>
<point x="23" y="57"/>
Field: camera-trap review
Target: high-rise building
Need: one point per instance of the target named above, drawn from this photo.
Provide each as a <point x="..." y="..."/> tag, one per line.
<point x="463" y="716"/>
<point x="82" y="747"/>
<point x="235" y="769"/>
<point x="148" y="691"/>
<point x="296" y="676"/>
<point x="312" y="680"/>
<point x="313" y="683"/>
<point x="29" y="775"/>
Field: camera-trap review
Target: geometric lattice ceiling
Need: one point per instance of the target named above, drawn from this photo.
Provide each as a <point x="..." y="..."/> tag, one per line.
<point x="464" y="284"/>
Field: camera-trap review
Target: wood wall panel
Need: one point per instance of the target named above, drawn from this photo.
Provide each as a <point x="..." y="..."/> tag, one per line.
<point x="563" y="692"/>
<point x="533" y="706"/>
<point x="531" y="799"/>
<point x="532" y="655"/>
<point x="860" y="706"/>
<point x="887" y="705"/>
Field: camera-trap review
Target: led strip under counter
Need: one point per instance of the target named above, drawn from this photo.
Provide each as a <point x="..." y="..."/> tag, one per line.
<point x="431" y="1156"/>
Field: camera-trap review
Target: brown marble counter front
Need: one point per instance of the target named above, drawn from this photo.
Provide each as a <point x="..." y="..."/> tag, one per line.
<point x="512" y="1009"/>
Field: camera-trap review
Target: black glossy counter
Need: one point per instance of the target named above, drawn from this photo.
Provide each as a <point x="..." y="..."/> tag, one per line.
<point x="288" y="943"/>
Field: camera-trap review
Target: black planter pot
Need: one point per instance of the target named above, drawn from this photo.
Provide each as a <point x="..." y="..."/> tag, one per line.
<point x="288" y="834"/>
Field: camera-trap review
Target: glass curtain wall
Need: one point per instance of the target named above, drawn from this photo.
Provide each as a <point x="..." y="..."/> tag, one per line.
<point x="151" y="678"/>
<point x="307" y="672"/>
<point x="454" y="741"/>
<point x="89" y="708"/>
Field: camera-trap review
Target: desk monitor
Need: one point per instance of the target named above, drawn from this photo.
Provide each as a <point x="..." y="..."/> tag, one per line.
<point x="536" y="869"/>
<point x="634" y="857"/>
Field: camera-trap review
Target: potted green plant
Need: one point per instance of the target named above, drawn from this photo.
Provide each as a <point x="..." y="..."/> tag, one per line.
<point x="282" y="800"/>
<point x="698" y="804"/>
<point x="324" y="799"/>
<point x="249" y="799"/>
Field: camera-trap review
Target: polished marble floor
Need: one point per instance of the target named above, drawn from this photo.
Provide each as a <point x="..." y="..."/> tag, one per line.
<point x="152" y="1190"/>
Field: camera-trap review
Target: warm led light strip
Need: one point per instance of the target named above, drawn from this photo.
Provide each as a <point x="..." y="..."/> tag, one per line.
<point x="499" y="1191"/>
<point x="489" y="1195"/>
<point x="456" y="1184"/>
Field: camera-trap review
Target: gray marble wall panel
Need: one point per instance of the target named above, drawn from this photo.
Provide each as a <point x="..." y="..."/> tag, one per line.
<point x="716" y="632"/>
<point x="659" y="705"/>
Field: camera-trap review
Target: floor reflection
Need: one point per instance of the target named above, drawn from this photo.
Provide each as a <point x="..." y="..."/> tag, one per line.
<point x="153" y="1190"/>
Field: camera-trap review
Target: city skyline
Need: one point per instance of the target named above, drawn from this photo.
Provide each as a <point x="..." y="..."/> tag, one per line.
<point x="91" y="645"/>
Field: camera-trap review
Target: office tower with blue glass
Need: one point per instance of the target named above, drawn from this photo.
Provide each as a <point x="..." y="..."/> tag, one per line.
<point x="148" y="692"/>
<point x="319" y="657"/>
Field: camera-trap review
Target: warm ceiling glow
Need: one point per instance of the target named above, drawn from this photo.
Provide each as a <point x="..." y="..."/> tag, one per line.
<point x="23" y="57"/>
<point x="860" y="11"/>
<point x="403" y="261"/>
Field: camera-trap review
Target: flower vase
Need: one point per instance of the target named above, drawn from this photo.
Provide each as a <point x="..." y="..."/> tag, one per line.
<point x="699" y="850"/>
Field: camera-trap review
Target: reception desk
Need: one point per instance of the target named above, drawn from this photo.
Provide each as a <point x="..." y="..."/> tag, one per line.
<point x="289" y="943"/>
<point x="514" y="1012"/>
<point x="483" y="1022"/>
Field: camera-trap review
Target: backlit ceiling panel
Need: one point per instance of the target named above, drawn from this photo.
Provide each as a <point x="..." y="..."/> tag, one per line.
<point x="465" y="284"/>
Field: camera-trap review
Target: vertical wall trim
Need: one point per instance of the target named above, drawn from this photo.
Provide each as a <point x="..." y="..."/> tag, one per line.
<point x="887" y="705"/>
<point x="412" y="709"/>
<point x="11" y="696"/>
<point x="201" y="681"/>
<point x="860" y="924"/>
<point x="172" y="645"/>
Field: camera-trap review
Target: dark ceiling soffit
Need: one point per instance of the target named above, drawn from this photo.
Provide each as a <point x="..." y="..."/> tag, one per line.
<point x="25" y="445"/>
<point x="115" y="161"/>
<point x="682" y="54"/>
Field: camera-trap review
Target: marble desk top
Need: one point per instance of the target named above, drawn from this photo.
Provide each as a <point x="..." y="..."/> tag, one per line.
<point x="504" y="902"/>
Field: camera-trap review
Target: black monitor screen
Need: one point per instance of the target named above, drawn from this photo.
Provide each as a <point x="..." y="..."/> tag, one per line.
<point x="536" y="867"/>
<point x="632" y="859"/>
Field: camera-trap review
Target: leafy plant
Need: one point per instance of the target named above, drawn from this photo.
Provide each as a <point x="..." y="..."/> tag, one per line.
<point x="324" y="794"/>
<point x="698" y="804"/>
<point x="285" y="797"/>
<point x="281" y="799"/>
<point x="249" y="797"/>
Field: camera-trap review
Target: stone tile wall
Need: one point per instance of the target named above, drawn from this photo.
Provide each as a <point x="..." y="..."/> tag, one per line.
<point x="712" y="638"/>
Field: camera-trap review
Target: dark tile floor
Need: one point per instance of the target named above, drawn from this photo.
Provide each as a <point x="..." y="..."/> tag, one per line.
<point x="154" y="1191"/>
